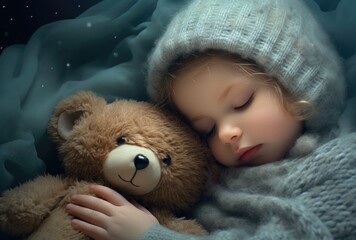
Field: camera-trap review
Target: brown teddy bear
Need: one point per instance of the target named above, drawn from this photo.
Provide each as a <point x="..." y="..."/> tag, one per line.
<point x="133" y="147"/>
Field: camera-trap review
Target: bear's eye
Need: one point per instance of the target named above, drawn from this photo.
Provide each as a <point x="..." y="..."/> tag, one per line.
<point x="167" y="160"/>
<point x="121" y="140"/>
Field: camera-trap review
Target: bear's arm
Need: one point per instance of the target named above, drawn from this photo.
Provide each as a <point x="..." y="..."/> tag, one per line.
<point x="23" y="208"/>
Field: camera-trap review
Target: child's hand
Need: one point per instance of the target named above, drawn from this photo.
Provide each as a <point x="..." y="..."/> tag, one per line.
<point x="109" y="215"/>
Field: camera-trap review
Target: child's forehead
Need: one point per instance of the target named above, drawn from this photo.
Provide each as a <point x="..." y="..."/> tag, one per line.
<point x="196" y="69"/>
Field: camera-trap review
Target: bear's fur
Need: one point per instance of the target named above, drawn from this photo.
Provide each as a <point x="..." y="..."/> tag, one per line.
<point x="107" y="143"/>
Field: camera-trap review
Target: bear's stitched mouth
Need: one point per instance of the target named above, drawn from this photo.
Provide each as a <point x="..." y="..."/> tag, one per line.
<point x="129" y="181"/>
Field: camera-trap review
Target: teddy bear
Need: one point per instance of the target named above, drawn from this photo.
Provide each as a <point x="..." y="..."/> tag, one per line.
<point x="138" y="149"/>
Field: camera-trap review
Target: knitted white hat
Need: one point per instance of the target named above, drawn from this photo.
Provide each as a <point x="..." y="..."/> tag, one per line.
<point x="281" y="36"/>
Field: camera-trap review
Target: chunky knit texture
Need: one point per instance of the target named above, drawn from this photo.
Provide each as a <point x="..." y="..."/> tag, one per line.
<point x="281" y="36"/>
<point x="310" y="194"/>
<point x="312" y="197"/>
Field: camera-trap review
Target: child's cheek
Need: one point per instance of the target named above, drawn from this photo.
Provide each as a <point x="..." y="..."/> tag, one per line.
<point x="268" y="119"/>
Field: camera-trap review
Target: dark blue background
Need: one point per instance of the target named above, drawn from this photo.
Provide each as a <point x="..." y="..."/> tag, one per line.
<point x="20" y="18"/>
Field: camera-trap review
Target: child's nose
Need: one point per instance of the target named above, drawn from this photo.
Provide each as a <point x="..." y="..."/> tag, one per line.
<point x="229" y="134"/>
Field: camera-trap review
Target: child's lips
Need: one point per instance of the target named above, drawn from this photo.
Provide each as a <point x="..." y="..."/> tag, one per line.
<point x="245" y="154"/>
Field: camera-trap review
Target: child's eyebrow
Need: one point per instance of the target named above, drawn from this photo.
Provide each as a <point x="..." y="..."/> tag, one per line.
<point x="224" y="93"/>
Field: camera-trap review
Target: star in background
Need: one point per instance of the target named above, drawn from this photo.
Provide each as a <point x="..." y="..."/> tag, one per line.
<point x="19" y="19"/>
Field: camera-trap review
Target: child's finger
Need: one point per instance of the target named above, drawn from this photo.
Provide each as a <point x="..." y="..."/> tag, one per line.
<point x="86" y="214"/>
<point x="109" y="195"/>
<point x="90" y="230"/>
<point x="94" y="203"/>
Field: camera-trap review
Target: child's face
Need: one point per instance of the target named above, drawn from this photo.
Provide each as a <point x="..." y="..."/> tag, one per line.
<point x="242" y="119"/>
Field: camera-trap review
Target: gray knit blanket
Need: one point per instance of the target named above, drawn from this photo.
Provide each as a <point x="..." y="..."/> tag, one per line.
<point x="311" y="197"/>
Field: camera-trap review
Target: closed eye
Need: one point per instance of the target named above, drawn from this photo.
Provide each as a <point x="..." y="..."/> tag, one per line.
<point x="211" y="133"/>
<point x="245" y="104"/>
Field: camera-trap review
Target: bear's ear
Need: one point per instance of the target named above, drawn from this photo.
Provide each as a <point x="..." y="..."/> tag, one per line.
<point x="69" y="111"/>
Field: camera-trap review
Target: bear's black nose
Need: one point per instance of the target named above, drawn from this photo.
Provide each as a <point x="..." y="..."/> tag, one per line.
<point x="141" y="161"/>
